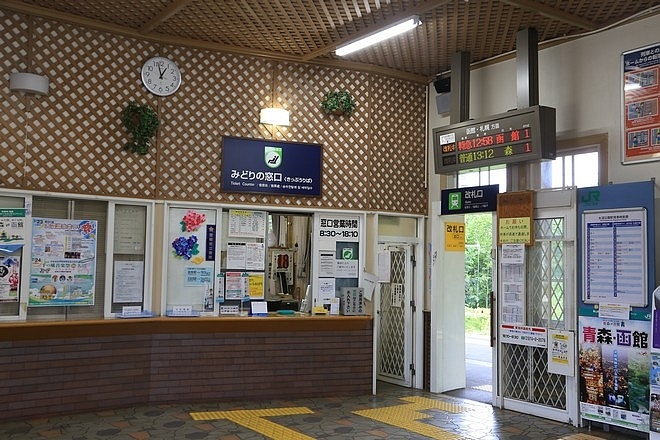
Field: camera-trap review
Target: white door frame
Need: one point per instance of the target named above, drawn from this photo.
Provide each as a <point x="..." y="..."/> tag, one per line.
<point x="551" y="204"/>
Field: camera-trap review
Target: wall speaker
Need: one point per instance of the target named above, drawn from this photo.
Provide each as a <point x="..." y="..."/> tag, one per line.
<point x="28" y="83"/>
<point x="442" y="85"/>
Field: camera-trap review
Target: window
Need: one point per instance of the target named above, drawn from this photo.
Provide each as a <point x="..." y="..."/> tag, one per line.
<point x="579" y="167"/>
<point x="490" y="175"/>
<point x="580" y="162"/>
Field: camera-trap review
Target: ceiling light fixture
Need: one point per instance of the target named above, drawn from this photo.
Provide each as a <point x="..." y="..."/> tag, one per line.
<point x="274" y="116"/>
<point x="378" y="36"/>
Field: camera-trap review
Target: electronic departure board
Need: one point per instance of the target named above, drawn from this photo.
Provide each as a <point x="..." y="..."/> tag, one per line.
<point x="515" y="136"/>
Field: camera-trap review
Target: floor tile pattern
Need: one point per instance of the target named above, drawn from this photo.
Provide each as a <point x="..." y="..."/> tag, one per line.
<point x="393" y="413"/>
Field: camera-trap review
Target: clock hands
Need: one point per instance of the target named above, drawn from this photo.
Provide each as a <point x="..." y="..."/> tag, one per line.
<point x="161" y="72"/>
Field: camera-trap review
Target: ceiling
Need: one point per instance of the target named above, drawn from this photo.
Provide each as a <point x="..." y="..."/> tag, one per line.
<point x="310" y="30"/>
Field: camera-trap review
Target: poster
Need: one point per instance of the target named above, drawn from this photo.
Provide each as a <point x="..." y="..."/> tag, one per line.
<point x="614" y="362"/>
<point x="10" y="275"/>
<point x="236" y="285"/>
<point x="63" y="266"/>
<point x="12" y="225"/>
<point x="560" y="352"/>
<point x="641" y="119"/>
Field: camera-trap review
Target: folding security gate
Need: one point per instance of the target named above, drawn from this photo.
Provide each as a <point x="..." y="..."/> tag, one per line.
<point x="526" y="384"/>
<point x="394" y="349"/>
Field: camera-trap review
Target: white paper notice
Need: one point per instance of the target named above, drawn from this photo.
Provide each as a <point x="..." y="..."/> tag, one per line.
<point x="513" y="293"/>
<point x="247" y="223"/>
<point x="346" y="269"/>
<point x="255" y="255"/>
<point x="326" y="290"/>
<point x="513" y="253"/>
<point x="326" y="264"/>
<point x="384" y="265"/>
<point x="614" y="311"/>
<point x="369" y="281"/>
<point x="128" y="281"/>
<point x="236" y="256"/>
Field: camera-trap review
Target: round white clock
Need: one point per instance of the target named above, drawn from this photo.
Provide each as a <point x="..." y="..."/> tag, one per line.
<point x="161" y="76"/>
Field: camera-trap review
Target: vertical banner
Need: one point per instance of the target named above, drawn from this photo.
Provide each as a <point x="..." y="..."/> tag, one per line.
<point x="616" y="266"/>
<point x="63" y="266"/>
<point x="641" y="92"/>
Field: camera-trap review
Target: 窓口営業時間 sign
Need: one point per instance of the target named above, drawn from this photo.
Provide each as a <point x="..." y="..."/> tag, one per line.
<point x="516" y="136"/>
<point x="271" y="167"/>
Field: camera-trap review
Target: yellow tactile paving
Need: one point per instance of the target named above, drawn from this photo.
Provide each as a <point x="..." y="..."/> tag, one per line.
<point x="580" y="437"/>
<point x="254" y="420"/>
<point x="406" y="416"/>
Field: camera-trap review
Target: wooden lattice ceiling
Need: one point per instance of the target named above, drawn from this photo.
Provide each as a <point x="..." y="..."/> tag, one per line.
<point x="309" y="31"/>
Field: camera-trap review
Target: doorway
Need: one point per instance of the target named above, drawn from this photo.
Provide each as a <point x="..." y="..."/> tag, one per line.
<point x="478" y="292"/>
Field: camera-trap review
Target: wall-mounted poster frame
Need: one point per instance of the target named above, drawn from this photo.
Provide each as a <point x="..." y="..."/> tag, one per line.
<point x="614" y="248"/>
<point x="640" y="96"/>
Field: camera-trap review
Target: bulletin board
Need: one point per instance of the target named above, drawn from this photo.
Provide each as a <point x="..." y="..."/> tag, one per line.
<point x="614" y="250"/>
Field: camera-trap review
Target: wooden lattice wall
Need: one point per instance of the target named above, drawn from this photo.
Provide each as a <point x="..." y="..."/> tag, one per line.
<point x="71" y="140"/>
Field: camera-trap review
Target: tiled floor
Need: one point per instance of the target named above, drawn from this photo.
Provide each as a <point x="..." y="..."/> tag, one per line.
<point x="394" y="413"/>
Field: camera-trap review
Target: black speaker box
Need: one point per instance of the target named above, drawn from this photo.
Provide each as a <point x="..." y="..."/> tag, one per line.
<point x="442" y="85"/>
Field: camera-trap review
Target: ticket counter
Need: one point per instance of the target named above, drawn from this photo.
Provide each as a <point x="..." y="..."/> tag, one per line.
<point x="60" y="367"/>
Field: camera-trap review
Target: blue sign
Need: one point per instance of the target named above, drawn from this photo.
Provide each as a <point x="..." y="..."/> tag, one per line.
<point x="271" y="167"/>
<point x="469" y="200"/>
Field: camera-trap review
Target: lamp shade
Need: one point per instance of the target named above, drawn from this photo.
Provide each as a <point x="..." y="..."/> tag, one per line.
<point x="275" y="116"/>
<point x="28" y="83"/>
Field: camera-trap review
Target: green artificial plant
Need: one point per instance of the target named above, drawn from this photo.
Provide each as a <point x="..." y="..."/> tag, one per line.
<point x="142" y="123"/>
<point x="338" y="103"/>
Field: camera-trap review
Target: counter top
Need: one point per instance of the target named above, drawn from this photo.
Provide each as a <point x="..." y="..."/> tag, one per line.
<point x="35" y="330"/>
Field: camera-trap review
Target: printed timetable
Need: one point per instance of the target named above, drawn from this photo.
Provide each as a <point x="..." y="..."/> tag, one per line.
<point x="615" y="257"/>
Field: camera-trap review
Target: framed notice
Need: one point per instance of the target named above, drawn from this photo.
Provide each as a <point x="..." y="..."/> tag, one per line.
<point x="615" y="256"/>
<point x="641" y="92"/>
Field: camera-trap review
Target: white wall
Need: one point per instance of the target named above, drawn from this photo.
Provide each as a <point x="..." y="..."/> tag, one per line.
<point x="581" y="79"/>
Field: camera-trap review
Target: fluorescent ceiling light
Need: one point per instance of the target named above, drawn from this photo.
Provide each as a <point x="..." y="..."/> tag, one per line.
<point x="275" y="116"/>
<point x="632" y="86"/>
<point x="378" y="36"/>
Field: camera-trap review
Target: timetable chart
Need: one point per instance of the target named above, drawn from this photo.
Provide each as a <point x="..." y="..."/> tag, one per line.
<point x="615" y="257"/>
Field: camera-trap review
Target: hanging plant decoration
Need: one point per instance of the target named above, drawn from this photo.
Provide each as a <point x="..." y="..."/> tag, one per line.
<point x="338" y="103"/>
<point x="142" y="123"/>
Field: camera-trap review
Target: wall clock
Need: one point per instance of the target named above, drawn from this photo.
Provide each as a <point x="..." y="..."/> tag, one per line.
<point x="161" y="76"/>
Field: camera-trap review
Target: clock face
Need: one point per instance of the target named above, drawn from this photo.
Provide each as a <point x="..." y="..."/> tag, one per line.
<point x="161" y="76"/>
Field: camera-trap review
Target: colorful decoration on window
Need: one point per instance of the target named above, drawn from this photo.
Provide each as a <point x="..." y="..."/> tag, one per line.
<point x="192" y="221"/>
<point x="185" y="247"/>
